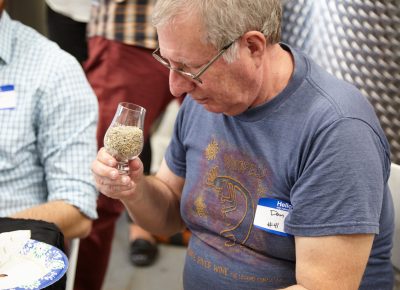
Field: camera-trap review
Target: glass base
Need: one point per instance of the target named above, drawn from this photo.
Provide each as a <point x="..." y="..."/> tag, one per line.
<point x="123" y="168"/>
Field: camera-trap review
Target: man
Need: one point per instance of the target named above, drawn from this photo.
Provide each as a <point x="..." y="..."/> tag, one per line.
<point x="48" y="117"/>
<point x="279" y="169"/>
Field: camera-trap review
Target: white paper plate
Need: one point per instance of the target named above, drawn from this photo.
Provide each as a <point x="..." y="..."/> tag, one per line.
<point x="37" y="266"/>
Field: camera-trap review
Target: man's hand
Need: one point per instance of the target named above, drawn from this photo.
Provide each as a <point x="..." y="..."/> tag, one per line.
<point x="112" y="184"/>
<point x="142" y="195"/>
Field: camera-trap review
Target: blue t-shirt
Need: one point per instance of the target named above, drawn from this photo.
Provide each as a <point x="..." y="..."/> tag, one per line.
<point x="317" y="145"/>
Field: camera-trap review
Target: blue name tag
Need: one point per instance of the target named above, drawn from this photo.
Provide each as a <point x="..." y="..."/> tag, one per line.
<point x="8" y="97"/>
<point x="271" y="214"/>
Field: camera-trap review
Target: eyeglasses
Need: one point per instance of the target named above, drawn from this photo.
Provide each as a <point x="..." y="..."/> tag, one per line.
<point x="196" y="77"/>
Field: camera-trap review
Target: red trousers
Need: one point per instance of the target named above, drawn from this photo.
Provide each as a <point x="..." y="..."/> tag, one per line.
<point x="117" y="73"/>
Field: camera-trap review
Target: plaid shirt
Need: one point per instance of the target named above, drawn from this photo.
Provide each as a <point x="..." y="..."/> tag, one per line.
<point x="127" y="21"/>
<point x="48" y="131"/>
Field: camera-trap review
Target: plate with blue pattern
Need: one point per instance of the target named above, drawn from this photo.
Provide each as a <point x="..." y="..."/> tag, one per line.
<point x="37" y="266"/>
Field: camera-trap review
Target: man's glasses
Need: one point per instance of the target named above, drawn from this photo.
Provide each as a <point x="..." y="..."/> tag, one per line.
<point x="196" y="77"/>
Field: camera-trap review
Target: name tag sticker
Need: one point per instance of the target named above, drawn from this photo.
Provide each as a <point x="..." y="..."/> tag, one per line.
<point x="270" y="215"/>
<point x="8" y="97"/>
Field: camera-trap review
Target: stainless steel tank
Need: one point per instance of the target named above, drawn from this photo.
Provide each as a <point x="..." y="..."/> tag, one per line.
<point x="358" y="41"/>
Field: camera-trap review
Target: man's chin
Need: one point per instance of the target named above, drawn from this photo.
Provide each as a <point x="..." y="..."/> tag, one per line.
<point x="222" y="110"/>
<point x="213" y="109"/>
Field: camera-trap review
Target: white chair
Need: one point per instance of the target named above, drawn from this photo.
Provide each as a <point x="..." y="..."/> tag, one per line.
<point x="394" y="185"/>
<point x="162" y="135"/>
<point x="72" y="260"/>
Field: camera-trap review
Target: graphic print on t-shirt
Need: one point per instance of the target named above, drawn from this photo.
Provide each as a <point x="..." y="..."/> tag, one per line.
<point x="222" y="203"/>
<point x="235" y="201"/>
<point x="225" y="196"/>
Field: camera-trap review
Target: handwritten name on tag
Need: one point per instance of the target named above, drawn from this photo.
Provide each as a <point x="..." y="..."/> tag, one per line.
<point x="7" y="97"/>
<point x="270" y="215"/>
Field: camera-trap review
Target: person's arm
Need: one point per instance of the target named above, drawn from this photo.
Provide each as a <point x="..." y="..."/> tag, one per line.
<point x="331" y="262"/>
<point x="158" y="208"/>
<point x="152" y="201"/>
<point x="68" y="218"/>
<point x="66" y="121"/>
<point x="337" y="203"/>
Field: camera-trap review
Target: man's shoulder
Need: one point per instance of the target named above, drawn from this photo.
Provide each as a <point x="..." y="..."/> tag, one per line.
<point x="328" y="92"/>
<point x="36" y="48"/>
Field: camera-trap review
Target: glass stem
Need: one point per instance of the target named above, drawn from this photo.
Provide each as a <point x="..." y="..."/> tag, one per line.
<point x="123" y="168"/>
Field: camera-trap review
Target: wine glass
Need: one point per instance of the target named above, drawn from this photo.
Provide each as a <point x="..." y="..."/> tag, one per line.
<point x="124" y="138"/>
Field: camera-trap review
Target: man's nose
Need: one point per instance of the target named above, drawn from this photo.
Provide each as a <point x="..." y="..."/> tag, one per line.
<point x="180" y="85"/>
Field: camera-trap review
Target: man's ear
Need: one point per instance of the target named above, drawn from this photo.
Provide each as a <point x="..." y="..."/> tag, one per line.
<point x="255" y="43"/>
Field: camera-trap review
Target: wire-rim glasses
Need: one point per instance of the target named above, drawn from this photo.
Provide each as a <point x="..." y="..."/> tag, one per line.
<point x="196" y="77"/>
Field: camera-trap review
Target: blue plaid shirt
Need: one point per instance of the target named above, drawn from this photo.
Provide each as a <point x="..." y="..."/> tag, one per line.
<point x="48" y="138"/>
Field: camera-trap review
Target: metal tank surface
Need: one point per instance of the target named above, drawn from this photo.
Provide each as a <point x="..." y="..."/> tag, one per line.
<point x="358" y="41"/>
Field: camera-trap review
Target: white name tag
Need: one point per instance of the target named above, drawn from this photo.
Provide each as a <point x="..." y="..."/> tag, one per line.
<point x="270" y="215"/>
<point x="8" y="97"/>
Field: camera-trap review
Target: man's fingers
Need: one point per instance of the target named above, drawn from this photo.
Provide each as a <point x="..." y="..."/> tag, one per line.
<point x="109" y="181"/>
<point x="106" y="158"/>
<point x="99" y="168"/>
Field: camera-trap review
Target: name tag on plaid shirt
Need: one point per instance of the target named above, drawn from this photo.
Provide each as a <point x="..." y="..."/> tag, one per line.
<point x="8" y="97"/>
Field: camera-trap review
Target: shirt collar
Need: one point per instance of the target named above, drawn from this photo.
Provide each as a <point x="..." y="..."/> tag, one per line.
<point x="5" y="37"/>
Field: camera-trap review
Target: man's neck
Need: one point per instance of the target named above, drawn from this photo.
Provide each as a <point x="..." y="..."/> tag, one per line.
<point x="279" y="68"/>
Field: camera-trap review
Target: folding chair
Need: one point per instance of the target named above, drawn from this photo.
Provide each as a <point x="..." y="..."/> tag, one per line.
<point x="394" y="185"/>
<point x="72" y="259"/>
